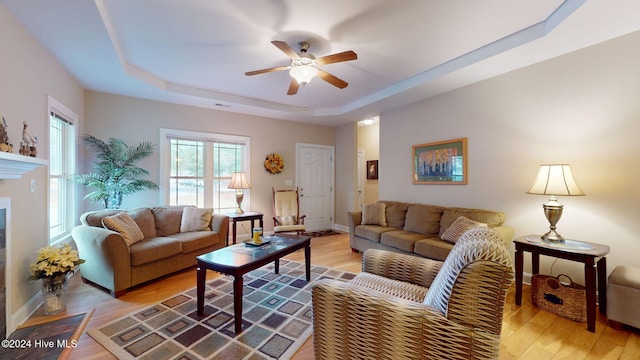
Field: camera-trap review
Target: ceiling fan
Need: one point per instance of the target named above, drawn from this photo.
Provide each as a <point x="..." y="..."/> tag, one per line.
<point x="304" y="66"/>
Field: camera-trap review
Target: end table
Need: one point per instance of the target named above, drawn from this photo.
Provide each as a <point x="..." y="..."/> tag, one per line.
<point x="245" y="216"/>
<point x="583" y="252"/>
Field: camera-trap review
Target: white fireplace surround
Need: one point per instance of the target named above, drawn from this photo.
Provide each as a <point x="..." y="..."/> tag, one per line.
<point x="13" y="166"/>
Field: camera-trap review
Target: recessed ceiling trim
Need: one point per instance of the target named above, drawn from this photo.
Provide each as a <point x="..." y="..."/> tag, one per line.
<point x="156" y="81"/>
<point x="509" y="42"/>
<point x="533" y="32"/>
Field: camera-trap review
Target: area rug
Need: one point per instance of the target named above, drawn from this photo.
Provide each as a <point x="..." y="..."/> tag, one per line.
<point x="322" y="233"/>
<point x="46" y="339"/>
<point x="276" y="319"/>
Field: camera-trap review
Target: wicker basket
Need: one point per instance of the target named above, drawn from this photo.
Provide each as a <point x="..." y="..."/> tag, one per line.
<point x="569" y="301"/>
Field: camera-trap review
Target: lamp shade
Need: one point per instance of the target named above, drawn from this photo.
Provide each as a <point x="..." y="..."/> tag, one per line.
<point x="239" y="181"/>
<point x="555" y="179"/>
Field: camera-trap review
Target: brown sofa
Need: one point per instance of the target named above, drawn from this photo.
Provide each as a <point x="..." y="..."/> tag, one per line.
<point x="418" y="228"/>
<point x="115" y="265"/>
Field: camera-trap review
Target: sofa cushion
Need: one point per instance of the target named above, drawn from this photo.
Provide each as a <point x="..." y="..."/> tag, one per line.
<point x="374" y="214"/>
<point x="124" y="224"/>
<point x="144" y="218"/>
<point x="167" y="219"/>
<point x="459" y="227"/>
<point x="432" y="248"/>
<point x="153" y="249"/>
<point x="423" y="219"/>
<point x="489" y="217"/>
<point x="401" y="239"/>
<point x="372" y="232"/>
<point x="396" y="288"/>
<point x="196" y="240"/>
<point x="395" y="213"/>
<point x="195" y="219"/>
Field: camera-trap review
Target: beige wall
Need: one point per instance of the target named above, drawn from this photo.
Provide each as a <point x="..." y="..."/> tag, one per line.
<point x="580" y="109"/>
<point x="135" y="120"/>
<point x="345" y="199"/>
<point x="369" y="141"/>
<point x="28" y="74"/>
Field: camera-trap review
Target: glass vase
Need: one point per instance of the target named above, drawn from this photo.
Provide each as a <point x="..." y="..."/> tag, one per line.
<point x="54" y="291"/>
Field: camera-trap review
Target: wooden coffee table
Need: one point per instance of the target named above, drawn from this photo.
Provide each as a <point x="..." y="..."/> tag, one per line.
<point x="239" y="259"/>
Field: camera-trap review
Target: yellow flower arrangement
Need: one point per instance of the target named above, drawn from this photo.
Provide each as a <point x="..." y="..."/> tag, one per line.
<point x="54" y="262"/>
<point x="274" y="163"/>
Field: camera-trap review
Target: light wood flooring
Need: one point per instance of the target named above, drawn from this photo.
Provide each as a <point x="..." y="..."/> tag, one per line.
<point x="527" y="333"/>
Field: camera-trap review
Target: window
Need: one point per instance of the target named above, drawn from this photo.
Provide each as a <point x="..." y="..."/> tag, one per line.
<point x="197" y="167"/>
<point x="62" y="159"/>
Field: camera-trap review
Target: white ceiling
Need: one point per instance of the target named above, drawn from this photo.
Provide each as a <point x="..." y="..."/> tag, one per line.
<point x="196" y="52"/>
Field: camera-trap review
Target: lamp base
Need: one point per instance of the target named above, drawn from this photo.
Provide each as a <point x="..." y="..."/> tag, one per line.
<point x="553" y="212"/>
<point x="552" y="236"/>
<point x="239" y="197"/>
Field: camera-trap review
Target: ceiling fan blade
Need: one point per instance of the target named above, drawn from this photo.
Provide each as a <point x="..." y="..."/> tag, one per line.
<point x="286" y="49"/>
<point x="339" y="57"/>
<point x="293" y="87"/>
<point x="331" y="79"/>
<point x="256" y="72"/>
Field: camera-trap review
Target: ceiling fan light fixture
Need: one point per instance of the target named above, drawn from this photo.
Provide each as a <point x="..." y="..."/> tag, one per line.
<point x="303" y="74"/>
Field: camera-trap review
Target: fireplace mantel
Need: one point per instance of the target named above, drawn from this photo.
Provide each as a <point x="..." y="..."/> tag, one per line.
<point x="13" y="166"/>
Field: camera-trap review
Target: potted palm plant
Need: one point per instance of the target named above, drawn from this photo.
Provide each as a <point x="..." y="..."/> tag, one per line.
<point x="115" y="174"/>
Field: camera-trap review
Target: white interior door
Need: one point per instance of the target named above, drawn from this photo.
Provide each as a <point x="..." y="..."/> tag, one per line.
<point x="315" y="182"/>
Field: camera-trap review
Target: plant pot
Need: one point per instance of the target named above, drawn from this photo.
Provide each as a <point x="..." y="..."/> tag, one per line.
<point x="54" y="292"/>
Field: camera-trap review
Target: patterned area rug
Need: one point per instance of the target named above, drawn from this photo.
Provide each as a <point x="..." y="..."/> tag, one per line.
<point x="46" y="339"/>
<point x="276" y="319"/>
<point x="322" y="233"/>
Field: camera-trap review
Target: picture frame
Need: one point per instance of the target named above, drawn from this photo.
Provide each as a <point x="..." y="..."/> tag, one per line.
<point x="372" y="169"/>
<point x="442" y="162"/>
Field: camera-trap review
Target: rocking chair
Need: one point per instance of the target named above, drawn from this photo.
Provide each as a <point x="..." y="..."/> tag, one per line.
<point x="286" y="211"/>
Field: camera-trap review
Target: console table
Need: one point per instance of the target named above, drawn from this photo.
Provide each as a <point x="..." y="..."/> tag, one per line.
<point x="245" y="216"/>
<point x="586" y="254"/>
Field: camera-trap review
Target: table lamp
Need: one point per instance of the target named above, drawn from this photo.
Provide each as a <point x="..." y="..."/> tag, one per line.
<point x="239" y="182"/>
<point x="554" y="180"/>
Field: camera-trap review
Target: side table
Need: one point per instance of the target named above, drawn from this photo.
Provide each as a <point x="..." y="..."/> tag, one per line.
<point x="587" y="253"/>
<point x="246" y="216"/>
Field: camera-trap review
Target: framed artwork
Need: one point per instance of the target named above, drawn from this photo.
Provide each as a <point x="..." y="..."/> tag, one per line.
<point x="372" y="169"/>
<point x="442" y="162"/>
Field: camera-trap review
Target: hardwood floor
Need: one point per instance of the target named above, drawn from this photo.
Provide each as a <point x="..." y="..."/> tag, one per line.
<point x="527" y="333"/>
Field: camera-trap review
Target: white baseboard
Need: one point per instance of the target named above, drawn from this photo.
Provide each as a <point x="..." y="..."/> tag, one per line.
<point x="339" y="227"/>
<point x="25" y="311"/>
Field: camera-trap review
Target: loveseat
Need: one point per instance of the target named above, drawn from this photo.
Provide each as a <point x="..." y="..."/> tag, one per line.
<point x="418" y="228"/>
<point x="126" y="248"/>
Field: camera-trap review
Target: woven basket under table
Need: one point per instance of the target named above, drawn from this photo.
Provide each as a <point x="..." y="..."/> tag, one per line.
<point x="566" y="300"/>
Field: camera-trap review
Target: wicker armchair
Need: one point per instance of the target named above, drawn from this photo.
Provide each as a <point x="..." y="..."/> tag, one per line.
<point x="407" y="307"/>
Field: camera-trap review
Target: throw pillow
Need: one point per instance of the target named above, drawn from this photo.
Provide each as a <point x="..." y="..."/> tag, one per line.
<point x="195" y="219"/>
<point x="124" y="224"/>
<point x="423" y="219"/>
<point x="459" y="227"/>
<point x="286" y="220"/>
<point x="374" y="214"/>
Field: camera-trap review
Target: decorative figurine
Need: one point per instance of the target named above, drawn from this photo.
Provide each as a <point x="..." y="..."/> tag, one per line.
<point x="5" y="146"/>
<point x="28" y="143"/>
